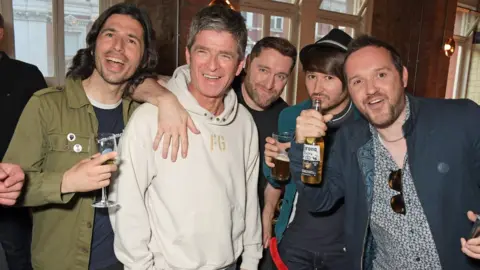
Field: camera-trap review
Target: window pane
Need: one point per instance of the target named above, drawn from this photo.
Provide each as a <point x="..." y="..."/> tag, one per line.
<point x="280" y="27"/>
<point x="32" y="21"/>
<point x="342" y="6"/>
<point x="348" y="30"/>
<point x="321" y="29"/>
<point x="473" y="84"/>
<point x="79" y="17"/>
<point x="254" y="23"/>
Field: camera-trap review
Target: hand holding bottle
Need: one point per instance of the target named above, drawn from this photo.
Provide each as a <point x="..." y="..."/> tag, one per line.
<point x="311" y="123"/>
<point x="310" y="131"/>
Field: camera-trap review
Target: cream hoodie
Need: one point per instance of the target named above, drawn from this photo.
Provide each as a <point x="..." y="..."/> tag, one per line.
<point x="201" y="212"/>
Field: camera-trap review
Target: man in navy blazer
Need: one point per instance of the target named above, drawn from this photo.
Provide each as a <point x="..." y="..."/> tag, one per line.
<point x="409" y="170"/>
<point x="18" y="82"/>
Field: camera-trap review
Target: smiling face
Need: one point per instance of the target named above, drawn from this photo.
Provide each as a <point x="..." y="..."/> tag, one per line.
<point x="375" y="85"/>
<point x="119" y="49"/>
<point x="267" y="75"/>
<point x="214" y="63"/>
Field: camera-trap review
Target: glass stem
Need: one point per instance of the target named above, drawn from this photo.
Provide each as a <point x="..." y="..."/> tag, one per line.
<point x="104" y="194"/>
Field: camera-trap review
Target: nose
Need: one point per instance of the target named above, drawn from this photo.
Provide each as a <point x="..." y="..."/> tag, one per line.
<point x="270" y="81"/>
<point x="319" y="86"/>
<point x="371" y="87"/>
<point x="213" y="63"/>
<point x="119" y="45"/>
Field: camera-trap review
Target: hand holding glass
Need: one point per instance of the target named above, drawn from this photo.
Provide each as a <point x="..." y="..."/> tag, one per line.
<point x="281" y="171"/>
<point x="107" y="142"/>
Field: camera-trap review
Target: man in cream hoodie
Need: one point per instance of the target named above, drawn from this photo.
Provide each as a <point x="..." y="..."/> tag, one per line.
<point x="200" y="212"/>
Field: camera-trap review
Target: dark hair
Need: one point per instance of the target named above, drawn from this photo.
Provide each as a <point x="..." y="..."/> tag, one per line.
<point x="220" y="18"/>
<point x="327" y="60"/>
<point x="2" y="22"/>
<point x="83" y="63"/>
<point x="366" y="41"/>
<point x="281" y="45"/>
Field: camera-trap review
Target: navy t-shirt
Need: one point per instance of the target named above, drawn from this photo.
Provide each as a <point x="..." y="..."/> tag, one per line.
<point x="102" y="254"/>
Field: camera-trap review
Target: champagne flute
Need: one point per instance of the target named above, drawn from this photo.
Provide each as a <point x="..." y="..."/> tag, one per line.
<point x="107" y="142"/>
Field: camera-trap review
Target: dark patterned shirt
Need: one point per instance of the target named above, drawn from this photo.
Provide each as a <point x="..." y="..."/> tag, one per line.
<point x="402" y="241"/>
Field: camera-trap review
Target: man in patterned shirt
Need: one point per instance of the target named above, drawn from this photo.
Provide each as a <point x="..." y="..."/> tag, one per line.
<point x="408" y="171"/>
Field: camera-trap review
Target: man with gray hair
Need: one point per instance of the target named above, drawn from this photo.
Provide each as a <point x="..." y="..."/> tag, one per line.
<point x="201" y="212"/>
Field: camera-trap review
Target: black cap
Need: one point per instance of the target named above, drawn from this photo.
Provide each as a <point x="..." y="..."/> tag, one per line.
<point x="336" y="38"/>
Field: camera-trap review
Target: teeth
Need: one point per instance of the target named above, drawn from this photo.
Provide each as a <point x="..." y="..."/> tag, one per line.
<point x="115" y="60"/>
<point x="210" y="77"/>
<point x="375" y="101"/>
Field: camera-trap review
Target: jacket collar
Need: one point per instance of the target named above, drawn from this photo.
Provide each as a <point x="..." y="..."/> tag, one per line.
<point x="360" y="131"/>
<point x="76" y="96"/>
<point x="409" y="125"/>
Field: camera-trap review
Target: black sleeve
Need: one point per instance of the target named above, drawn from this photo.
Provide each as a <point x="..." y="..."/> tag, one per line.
<point x="37" y="81"/>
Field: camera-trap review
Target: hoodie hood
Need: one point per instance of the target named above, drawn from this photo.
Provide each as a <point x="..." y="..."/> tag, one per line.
<point x="178" y="85"/>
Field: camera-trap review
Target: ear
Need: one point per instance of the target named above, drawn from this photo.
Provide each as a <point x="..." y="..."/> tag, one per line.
<point x="240" y="67"/>
<point x="187" y="56"/>
<point x="1" y="34"/>
<point x="405" y="77"/>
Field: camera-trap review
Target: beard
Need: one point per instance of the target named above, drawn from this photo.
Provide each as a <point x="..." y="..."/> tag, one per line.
<point x="254" y="95"/>
<point x="118" y="81"/>
<point x="109" y="80"/>
<point x="335" y="103"/>
<point x="393" y="113"/>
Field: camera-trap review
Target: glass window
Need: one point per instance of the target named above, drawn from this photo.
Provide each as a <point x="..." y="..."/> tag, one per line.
<point x="280" y="27"/>
<point x="342" y="6"/>
<point x="79" y="17"/>
<point x="464" y="20"/>
<point x="255" y="29"/>
<point x="321" y="29"/>
<point x="473" y="83"/>
<point x="33" y="28"/>
<point x="276" y="24"/>
<point x="348" y="30"/>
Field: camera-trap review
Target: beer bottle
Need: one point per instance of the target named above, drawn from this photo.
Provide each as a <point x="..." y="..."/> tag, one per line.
<point x="313" y="154"/>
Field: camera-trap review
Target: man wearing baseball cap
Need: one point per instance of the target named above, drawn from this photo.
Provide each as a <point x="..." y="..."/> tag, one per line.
<point x="307" y="241"/>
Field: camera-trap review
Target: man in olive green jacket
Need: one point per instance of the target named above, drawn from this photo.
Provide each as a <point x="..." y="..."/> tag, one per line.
<point x="54" y="140"/>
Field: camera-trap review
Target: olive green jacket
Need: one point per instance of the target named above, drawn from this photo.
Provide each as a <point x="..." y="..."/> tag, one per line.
<point x="45" y="148"/>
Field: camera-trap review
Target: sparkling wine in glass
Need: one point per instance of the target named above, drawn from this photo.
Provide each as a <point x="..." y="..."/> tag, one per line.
<point x="107" y="142"/>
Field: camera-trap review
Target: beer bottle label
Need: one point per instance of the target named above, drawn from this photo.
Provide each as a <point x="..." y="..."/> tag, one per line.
<point x="311" y="159"/>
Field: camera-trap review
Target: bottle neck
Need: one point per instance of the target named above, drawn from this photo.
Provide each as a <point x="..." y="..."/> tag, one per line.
<point x="317" y="105"/>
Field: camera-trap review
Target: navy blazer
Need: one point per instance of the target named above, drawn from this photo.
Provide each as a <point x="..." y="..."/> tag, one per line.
<point x="443" y="144"/>
<point x="18" y="82"/>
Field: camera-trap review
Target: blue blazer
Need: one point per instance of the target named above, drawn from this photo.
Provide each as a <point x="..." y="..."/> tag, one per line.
<point x="443" y="145"/>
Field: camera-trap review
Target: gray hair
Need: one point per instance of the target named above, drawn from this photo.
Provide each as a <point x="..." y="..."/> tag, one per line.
<point x="220" y="18"/>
